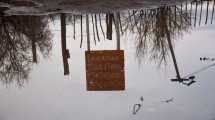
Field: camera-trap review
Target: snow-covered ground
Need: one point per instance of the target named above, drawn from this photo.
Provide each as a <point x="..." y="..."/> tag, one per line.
<point x="38" y="7"/>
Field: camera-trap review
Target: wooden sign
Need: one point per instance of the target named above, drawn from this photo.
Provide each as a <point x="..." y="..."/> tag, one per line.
<point x="105" y="70"/>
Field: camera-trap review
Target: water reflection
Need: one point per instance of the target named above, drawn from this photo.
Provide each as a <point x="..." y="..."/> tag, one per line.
<point x="155" y="31"/>
<point x="155" y="28"/>
<point x="21" y="37"/>
<point x="65" y="51"/>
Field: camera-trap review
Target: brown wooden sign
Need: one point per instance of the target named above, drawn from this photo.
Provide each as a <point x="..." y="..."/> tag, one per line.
<point x="105" y="70"/>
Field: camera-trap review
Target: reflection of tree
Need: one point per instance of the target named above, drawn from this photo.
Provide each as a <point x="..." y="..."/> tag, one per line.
<point x="18" y="36"/>
<point x="65" y="51"/>
<point x="152" y="26"/>
<point x="149" y="25"/>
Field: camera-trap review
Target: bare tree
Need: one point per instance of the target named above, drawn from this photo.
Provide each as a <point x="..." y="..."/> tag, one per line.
<point x="150" y="27"/>
<point x="19" y="35"/>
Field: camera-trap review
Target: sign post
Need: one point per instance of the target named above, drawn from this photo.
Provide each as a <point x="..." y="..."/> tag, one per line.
<point x="105" y="68"/>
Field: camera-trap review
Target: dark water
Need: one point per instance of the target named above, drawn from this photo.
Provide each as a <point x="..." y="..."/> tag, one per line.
<point x="169" y="61"/>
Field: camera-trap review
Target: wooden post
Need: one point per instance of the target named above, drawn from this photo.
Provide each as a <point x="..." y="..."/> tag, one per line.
<point x="74" y="26"/>
<point x="94" y="35"/>
<point x="109" y="23"/>
<point x="65" y="52"/>
<point x="212" y="13"/>
<point x="206" y="21"/>
<point x="33" y="41"/>
<point x="81" y="31"/>
<point x="96" y="26"/>
<point x="200" y="18"/>
<point x="195" y="14"/>
<point x="169" y="18"/>
<point x="120" y="22"/>
<point x="34" y="50"/>
<point x="88" y="32"/>
<point x="181" y="14"/>
<point x="191" y="7"/>
<point x="117" y="31"/>
<point x="111" y="17"/>
<point x="175" y="16"/>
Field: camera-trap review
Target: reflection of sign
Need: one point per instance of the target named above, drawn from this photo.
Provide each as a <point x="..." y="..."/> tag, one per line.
<point x="105" y="70"/>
